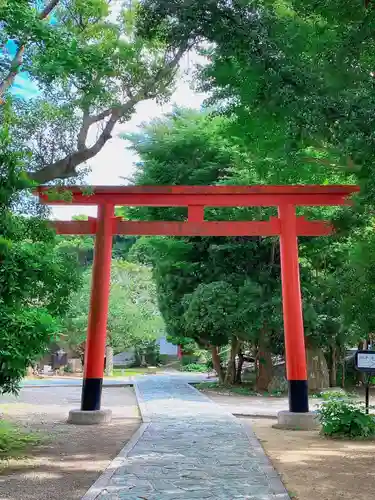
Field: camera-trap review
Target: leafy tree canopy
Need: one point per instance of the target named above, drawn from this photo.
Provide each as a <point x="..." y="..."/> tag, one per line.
<point x="91" y="68"/>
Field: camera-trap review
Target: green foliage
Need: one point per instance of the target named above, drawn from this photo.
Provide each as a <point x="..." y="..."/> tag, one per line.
<point x="210" y="313"/>
<point x="342" y="418"/>
<point x="188" y="359"/>
<point x="328" y="395"/>
<point x="189" y="147"/>
<point x="194" y="367"/>
<point x="243" y="390"/>
<point x="14" y="441"/>
<point x="36" y="279"/>
<point x="295" y="79"/>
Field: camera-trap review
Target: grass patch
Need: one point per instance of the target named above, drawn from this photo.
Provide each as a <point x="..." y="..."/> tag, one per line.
<point x="243" y="389"/>
<point x="240" y="389"/>
<point x="194" y="367"/>
<point x="132" y="372"/>
<point x="15" y="441"/>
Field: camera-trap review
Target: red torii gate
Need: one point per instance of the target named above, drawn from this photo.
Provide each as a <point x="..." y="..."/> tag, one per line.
<point x="287" y="226"/>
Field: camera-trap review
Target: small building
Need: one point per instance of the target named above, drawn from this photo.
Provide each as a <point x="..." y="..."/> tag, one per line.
<point x="166" y="348"/>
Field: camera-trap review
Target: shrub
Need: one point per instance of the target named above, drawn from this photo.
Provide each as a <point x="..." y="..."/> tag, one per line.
<point x="328" y="395"/>
<point x="194" y="367"/>
<point x="189" y="359"/>
<point x="346" y="419"/>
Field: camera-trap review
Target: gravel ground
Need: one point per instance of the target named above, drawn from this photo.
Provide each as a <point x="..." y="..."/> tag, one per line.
<point x="71" y="457"/>
<point x="315" y="468"/>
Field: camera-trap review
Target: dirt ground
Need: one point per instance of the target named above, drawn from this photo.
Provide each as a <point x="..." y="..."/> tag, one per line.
<point x="315" y="468"/>
<point x="71" y="457"/>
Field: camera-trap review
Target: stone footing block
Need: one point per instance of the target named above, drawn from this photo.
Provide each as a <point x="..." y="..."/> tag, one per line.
<point x="297" y="421"/>
<point x="96" y="417"/>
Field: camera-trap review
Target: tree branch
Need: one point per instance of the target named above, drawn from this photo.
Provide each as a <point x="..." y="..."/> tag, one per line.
<point x="322" y="161"/>
<point x="17" y="61"/>
<point x="66" y="167"/>
<point x="84" y="130"/>
<point x="48" y="9"/>
<point x="14" y="69"/>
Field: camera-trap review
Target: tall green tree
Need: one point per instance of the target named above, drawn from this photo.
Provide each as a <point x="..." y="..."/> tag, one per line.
<point x="36" y="278"/>
<point x="188" y="146"/>
<point x="296" y="79"/>
<point x="296" y="74"/>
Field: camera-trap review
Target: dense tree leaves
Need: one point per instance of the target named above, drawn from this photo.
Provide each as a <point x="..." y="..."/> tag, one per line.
<point x="188" y="146"/>
<point x="193" y="274"/>
<point x="298" y="74"/>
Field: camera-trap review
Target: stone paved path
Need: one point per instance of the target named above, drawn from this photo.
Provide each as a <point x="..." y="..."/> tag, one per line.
<point x="191" y="448"/>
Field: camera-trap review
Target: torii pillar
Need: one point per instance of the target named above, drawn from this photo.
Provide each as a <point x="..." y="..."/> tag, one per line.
<point x="98" y="315"/>
<point x="295" y="354"/>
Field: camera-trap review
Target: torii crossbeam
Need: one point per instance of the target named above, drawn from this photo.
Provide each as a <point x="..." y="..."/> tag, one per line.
<point x="287" y="226"/>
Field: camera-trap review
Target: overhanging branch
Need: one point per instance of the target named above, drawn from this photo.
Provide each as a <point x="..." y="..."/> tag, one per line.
<point x="17" y="61"/>
<point x="67" y="167"/>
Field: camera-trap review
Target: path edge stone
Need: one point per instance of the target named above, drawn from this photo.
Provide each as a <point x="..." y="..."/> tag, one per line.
<point x="104" y="478"/>
<point x="141" y="403"/>
<point x="280" y="491"/>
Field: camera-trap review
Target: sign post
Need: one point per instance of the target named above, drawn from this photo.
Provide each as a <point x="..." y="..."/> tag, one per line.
<point x="365" y="363"/>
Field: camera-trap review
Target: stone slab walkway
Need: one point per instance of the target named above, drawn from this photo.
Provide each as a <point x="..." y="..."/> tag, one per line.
<point x="188" y="448"/>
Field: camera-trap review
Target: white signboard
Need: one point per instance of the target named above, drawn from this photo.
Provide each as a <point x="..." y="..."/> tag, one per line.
<point x="366" y="361"/>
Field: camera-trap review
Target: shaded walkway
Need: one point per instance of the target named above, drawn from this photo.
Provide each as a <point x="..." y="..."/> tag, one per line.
<point x="189" y="448"/>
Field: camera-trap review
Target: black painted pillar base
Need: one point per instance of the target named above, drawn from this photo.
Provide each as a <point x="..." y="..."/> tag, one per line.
<point x="91" y="394"/>
<point x="298" y="396"/>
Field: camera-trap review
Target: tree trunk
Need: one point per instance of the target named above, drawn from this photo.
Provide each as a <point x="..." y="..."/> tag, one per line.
<point x="343" y="371"/>
<point x="264" y="371"/>
<point x="143" y="360"/>
<point x="109" y="361"/>
<point x="230" y="374"/>
<point x="241" y="360"/>
<point x="217" y="364"/>
<point x="333" y="370"/>
<point x="81" y="350"/>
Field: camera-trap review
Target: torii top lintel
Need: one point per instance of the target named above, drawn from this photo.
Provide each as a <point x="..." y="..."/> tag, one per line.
<point x="196" y="198"/>
<point x="209" y="196"/>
